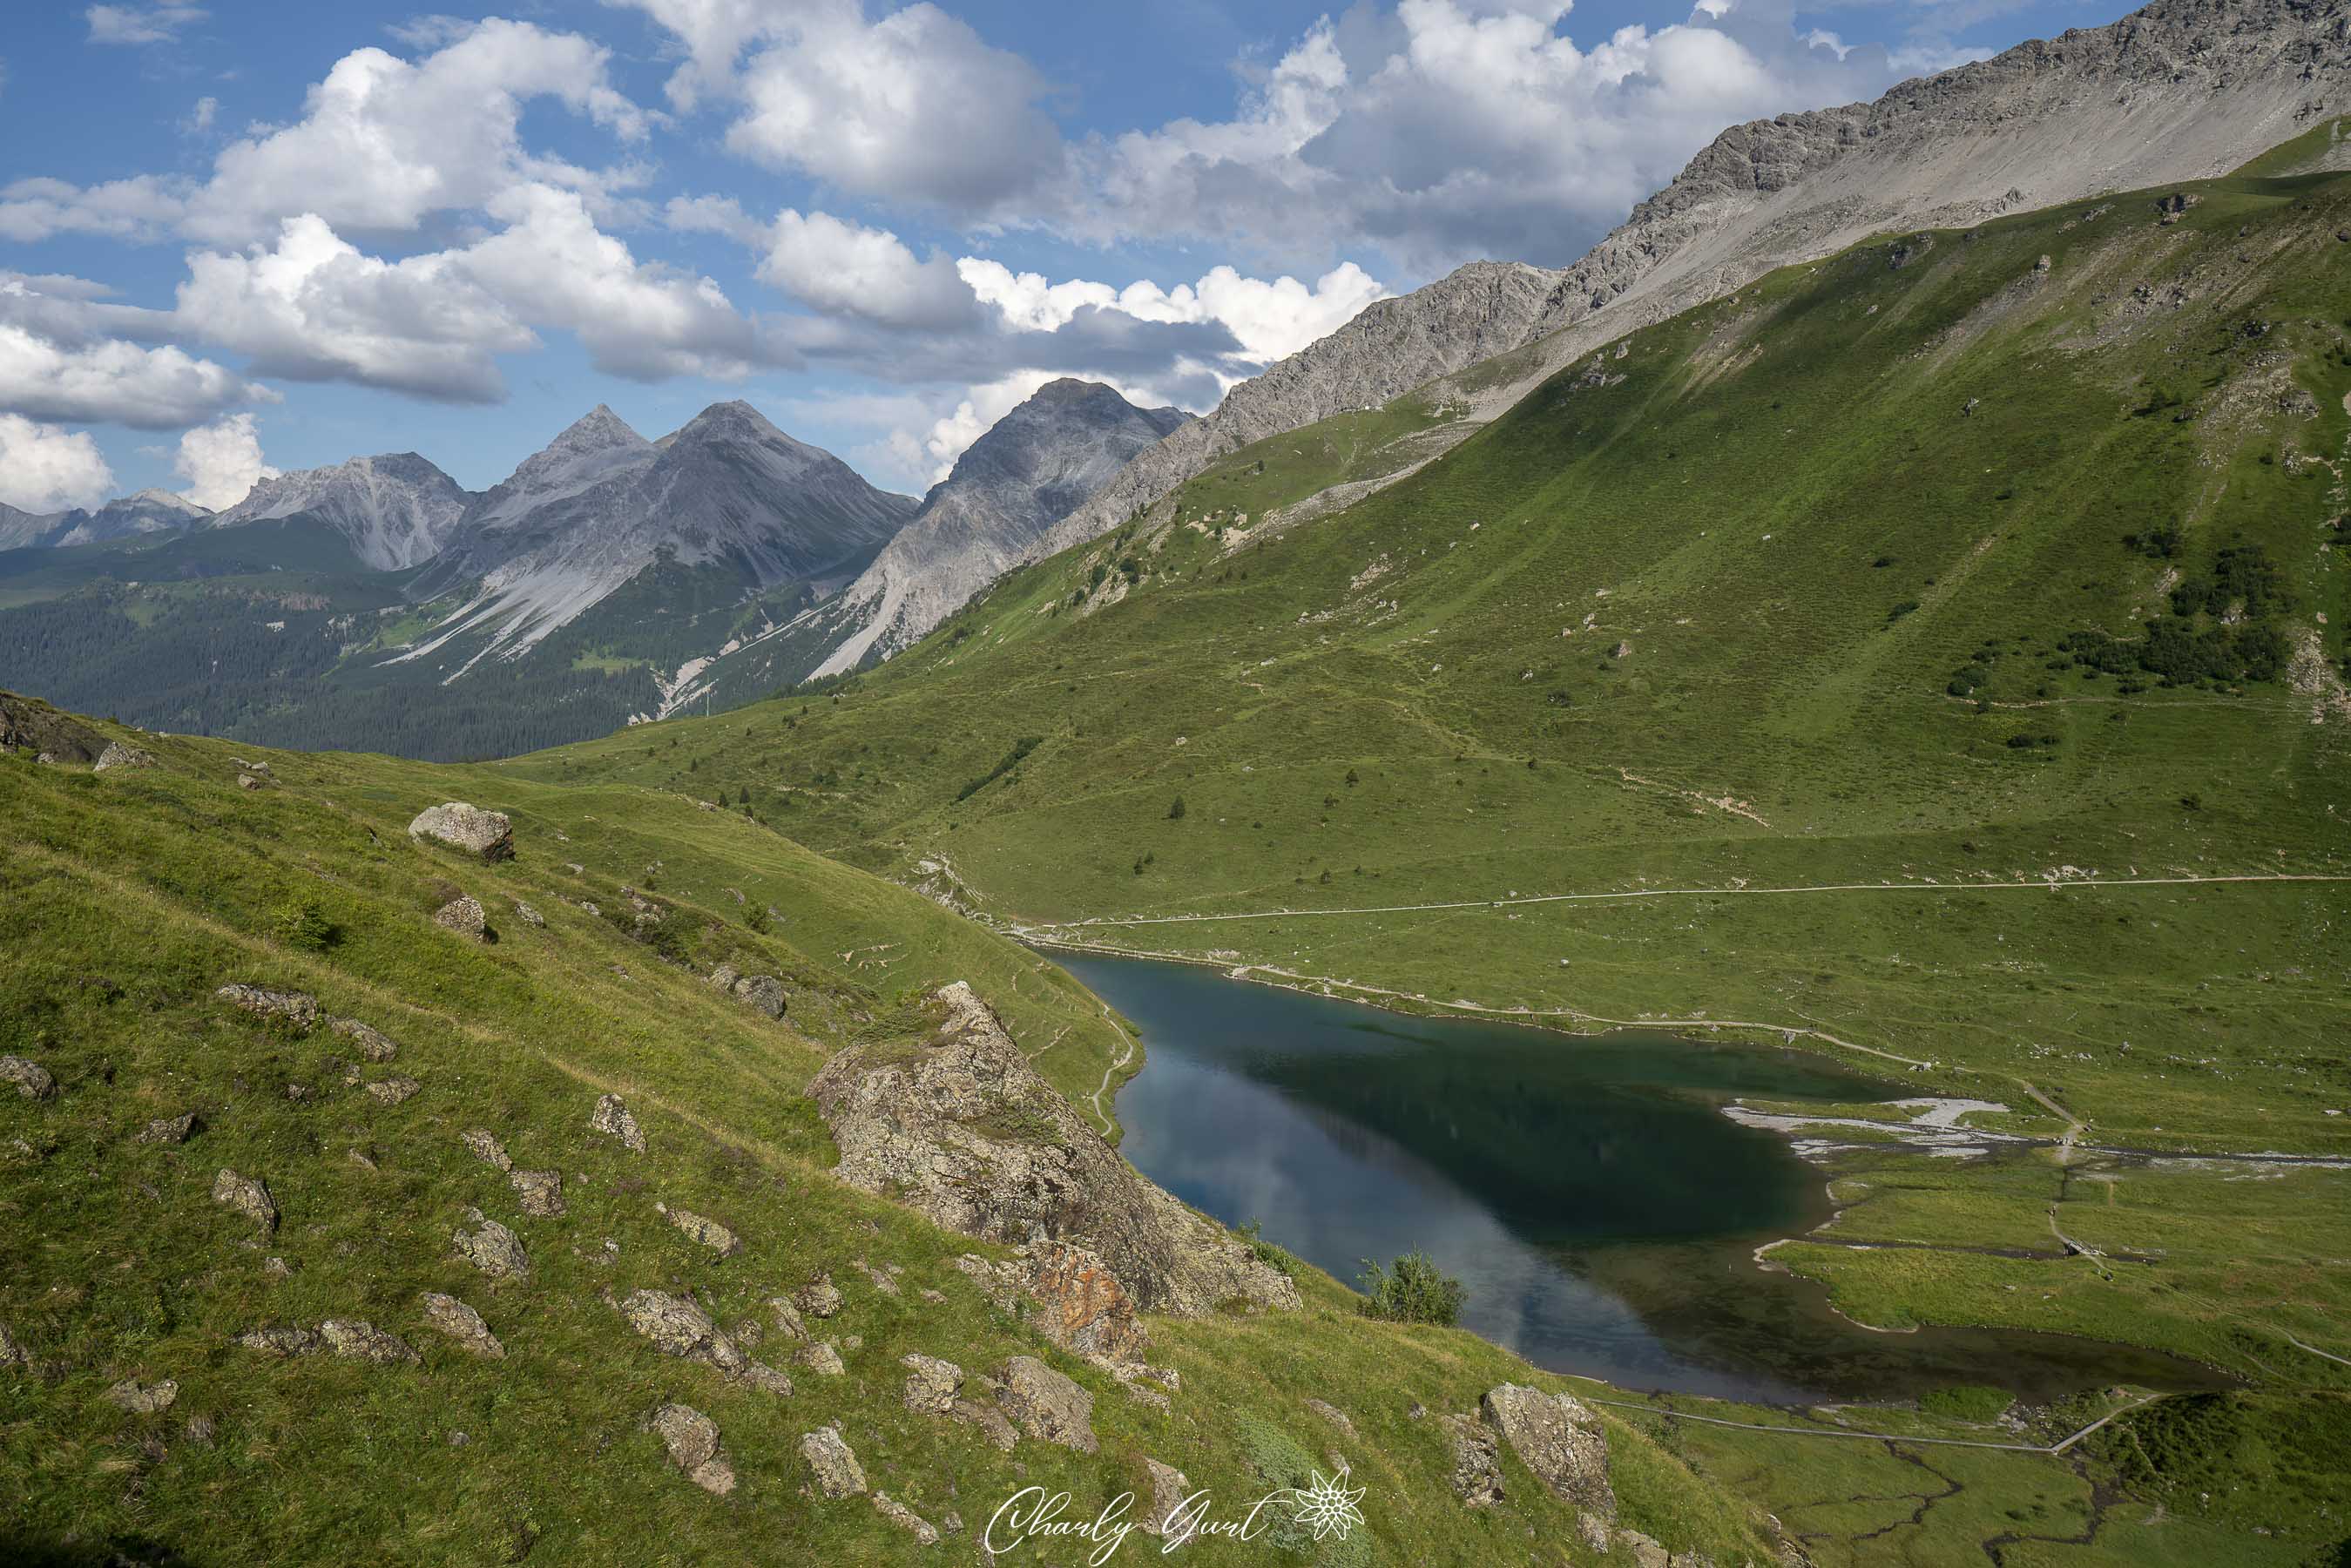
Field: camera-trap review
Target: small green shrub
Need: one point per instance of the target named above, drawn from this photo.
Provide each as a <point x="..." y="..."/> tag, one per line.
<point x="301" y="923"/>
<point x="1416" y="1290"/>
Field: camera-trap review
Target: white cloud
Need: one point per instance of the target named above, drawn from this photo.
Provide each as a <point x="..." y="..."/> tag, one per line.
<point x="913" y="108"/>
<point x="141" y="24"/>
<point x="142" y="207"/>
<point x="311" y="307"/>
<point x="58" y="363"/>
<point x="200" y="119"/>
<point x="44" y="469"/>
<point x="835" y="265"/>
<point x="1272" y="320"/>
<point x="222" y="462"/>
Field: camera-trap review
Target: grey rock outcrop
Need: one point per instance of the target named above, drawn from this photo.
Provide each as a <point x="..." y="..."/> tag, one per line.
<point x="465" y="917"/>
<point x="764" y="992"/>
<point x="526" y="915"/>
<point x="692" y="1442"/>
<point x="489" y="834"/>
<point x="32" y="1079"/>
<point x="247" y="1197"/>
<point x="819" y="1298"/>
<point x="284" y="1341"/>
<point x="706" y="1231"/>
<point x="612" y="1118"/>
<point x="1477" y="1467"/>
<point x="358" y="1340"/>
<point x="171" y="1129"/>
<point x="462" y="1323"/>
<point x="31" y="727"/>
<point x="1336" y="1417"/>
<point x="492" y="1247"/>
<point x="961" y="1128"/>
<point x="392" y="1091"/>
<point x="395" y="511"/>
<point x="823" y="1358"/>
<point x="118" y="755"/>
<point x="932" y="1384"/>
<point x="143" y="1399"/>
<point x="1169" y="1488"/>
<point x="486" y="1148"/>
<point x="541" y="1193"/>
<point x="905" y="1519"/>
<point x="1558" y="1437"/>
<point x="291" y="1007"/>
<point x="832" y="1463"/>
<point x="677" y="1327"/>
<point x="373" y="1045"/>
<point x="1047" y="1405"/>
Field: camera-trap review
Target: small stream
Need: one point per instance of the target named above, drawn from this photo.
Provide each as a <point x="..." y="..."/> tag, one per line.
<point x="1589" y="1192"/>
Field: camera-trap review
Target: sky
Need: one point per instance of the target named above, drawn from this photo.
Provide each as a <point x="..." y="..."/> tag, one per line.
<point x="248" y="237"/>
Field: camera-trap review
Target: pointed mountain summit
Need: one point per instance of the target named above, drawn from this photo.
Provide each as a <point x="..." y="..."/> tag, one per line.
<point x="590" y="450"/>
<point x="394" y="510"/>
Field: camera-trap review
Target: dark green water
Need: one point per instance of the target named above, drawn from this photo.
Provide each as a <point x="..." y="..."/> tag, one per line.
<point x="1589" y="1192"/>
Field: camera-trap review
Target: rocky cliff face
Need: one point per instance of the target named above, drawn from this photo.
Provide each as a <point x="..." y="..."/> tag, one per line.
<point x="2182" y="90"/>
<point x="960" y="1127"/>
<point x="1033" y="468"/>
<point x="395" y="511"/>
<point x="127" y="517"/>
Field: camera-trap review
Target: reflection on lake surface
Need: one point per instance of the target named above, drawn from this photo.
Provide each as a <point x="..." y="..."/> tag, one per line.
<point x="1590" y="1194"/>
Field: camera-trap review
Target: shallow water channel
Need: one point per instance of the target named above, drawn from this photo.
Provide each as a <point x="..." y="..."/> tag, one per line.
<point x="1590" y="1193"/>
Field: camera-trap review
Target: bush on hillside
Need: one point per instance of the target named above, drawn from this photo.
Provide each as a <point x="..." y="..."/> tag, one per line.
<point x="1416" y="1290"/>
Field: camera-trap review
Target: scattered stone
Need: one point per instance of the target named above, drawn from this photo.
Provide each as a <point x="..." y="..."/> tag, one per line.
<point x="360" y="1341"/>
<point x="247" y="781"/>
<point x="937" y="1297"/>
<point x="143" y="1399"/>
<point x="527" y="916"/>
<point x="764" y="992"/>
<point x="486" y="1148"/>
<point x="965" y="1131"/>
<point x="32" y="1079"/>
<point x="296" y="1008"/>
<point x="1594" y="1531"/>
<point x="879" y="1278"/>
<point x="722" y="978"/>
<point x="489" y="834"/>
<point x="462" y="1323"/>
<point x="250" y="1198"/>
<point x="493" y="1249"/>
<point x="822" y="1358"/>
<point x="300" y="1094"/>
<point x="837" y="1471"/>
<point x="932" y="1384"/>
<point x="284" y="1342"/>
<point x="788" y="1316"/>
<point x="1337" y="1418"/>
<point x="1645" y="1549"/>
<point x="999" y="1282"/>
<point x="1477" y="1474"/>
<point x="363" y="1159"/>
<point x="1046" y="1405"/>
<point x="465" y="917"/>
<point x="679" y="1328"/>
<point x="856" y="1342"/>
<point x="905" y="1519"/>
<point x="613" y="1119"/>
<point x="375" y="1047"/>
<point x="11" y="1352"/>
<point x="1169" y="1488"/>
<point x="200" y="1430"/>
<point x="692" y="1439"/>
<point x="541" y="1192"/>
<point x="1558" y="1437"/>
<point x="819" y="1298"/>
<point x="706" y="1231"/>
<point x="277" y="1267"/>
<point x="118" y="755"/>
<point x="1621" y="651"/>
<point x="760" y="1376"/>
<point x="392" y="1091"/>
<point x="260" y="767"/>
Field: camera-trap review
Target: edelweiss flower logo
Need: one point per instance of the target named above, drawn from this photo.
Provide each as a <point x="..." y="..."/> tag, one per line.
<point x="1327" y="1506"/>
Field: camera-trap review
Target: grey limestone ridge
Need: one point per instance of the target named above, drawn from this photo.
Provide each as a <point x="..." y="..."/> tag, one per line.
<point x="601" y="503"/>
<point x="1033" y="468"/>
<point x="128" y="517"/>
<point x="394" y="510"/>
<point x="2181" y="89"/>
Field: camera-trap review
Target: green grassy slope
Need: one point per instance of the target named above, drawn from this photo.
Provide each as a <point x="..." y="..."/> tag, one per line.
<point x="1926" y="652"/>
<point x="127" y="897"/>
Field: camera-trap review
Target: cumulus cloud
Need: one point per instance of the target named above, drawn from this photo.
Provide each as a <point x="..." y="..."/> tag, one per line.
<point x="833" y="264"/>
<point x="141" y="24"/>
<point x="311" y="307"/>
<point x="221" y="462"/>
<point x="1270" y="320"/>
<point x="44" y="469"/>
<point x="200" y="119"/>
<point x="913" y="108"/>
<point x="59" y="361"/>
<point x="382" y="145"/>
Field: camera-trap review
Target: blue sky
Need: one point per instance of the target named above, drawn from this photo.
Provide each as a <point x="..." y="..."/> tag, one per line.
<point x="242" y="236"/>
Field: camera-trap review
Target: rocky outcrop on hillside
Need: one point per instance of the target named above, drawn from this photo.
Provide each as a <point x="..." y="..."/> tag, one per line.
<point x="394" y="510"/>
<point x="2182" y="90"/>
<point x="957" y="1125"/>
<point x="35" y="729"/>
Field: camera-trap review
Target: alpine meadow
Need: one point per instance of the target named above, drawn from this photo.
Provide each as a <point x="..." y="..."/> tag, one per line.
<point x="1641" y="882"/>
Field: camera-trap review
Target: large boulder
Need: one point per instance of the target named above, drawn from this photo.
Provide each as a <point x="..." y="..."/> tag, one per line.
<point x="465" y="917"/>
<point x="1476" y="1467"/>
<point x="247" y="1197"/>
<point x="462" y="1323"/>
<point x="832" y="1463"/>
<point x="692" y="1439"/>
<point x="1046" y="1405"/>
<point x="958" y="1125"/>
<point x="764" y="992"/>
<point x="31" y="1079"/>
<point x="1558" y="1437"/>
<point x="1083" y="1306"/>
<point x="118" y="755"/>
<point x="493" y="1249"/>
<point x="295" y="1009"/>
<point x="468" y="828"/>
<point x="677" y="1327"/>
<point x="612" y="1118"/>
<point x="32" y="727"/>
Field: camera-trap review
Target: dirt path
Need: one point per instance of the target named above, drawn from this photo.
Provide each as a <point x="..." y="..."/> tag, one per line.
<point x="1125" y="1055"/>
<point x="2057" y="1447"/>
<point x="2036" y="884"/>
